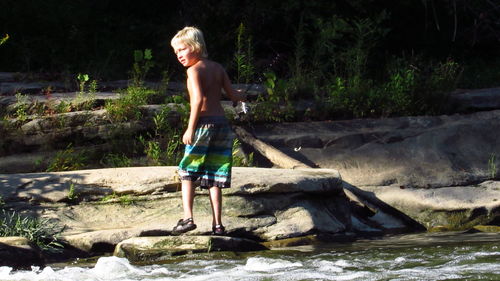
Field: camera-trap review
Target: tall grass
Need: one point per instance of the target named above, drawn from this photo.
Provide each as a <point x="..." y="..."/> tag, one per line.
<point x="244" y="57"/>
<point x="164" y="145"/>
<point x="40" y="231"/>
<point x="68" y="160"/>
<point x="127" y="106"/>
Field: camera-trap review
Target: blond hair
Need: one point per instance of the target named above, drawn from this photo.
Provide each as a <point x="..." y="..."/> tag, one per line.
<point x="193" y="37"/>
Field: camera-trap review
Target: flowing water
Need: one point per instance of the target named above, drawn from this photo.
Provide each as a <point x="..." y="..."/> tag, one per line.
<point x="445" y="256"/>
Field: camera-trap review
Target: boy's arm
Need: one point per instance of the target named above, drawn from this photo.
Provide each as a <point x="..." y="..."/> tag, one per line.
<point x="195" y="101"/>
<point x="233" y="95"/>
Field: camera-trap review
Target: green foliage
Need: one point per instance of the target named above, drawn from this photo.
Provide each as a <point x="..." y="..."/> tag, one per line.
<point x="365" y="35"/>
<point x="82" y="79"/>
<point x="303" y="80"/>
<point x="122" y="199"/>
<point x="127" y="106"/>
<point x="492" y="166"/>
<point x="85" y="98"/>
<point x="407" y="90"/>
<point x="4" y="39"/>
<point x="165" y="80"/>
<point x="164" y="147"/>
<point x="243" y="57"/>
<point x="276" y="106"/>
<point x="72" y="195"/>
<point x="63" y="107"/>
<point x="68" y="160"/>
<point x="143" y="62"/>
<point x="152" y="149"/>
<point x="239" y="159"/>
<point x="466" y="28"/>
<point x="116" y="160"/>
<point x="176" y="99"/>
<point x="40" y="231"/>
<point x="21" y="107"/>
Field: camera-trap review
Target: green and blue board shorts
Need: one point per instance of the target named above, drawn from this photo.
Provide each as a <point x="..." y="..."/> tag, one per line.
<point x="209" y="157"/>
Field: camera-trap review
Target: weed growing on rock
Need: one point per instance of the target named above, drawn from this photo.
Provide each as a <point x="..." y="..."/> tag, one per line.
<point x="40" y="231"/>
<point x="239" y="159"/>
<point x="165" y="80"/>
<point x="116" y="160"/>
<point x="85" y="97"/>
<point x="276" y="106"/>
<point x="492" y="166"/>
<point x="143" y="62"/>
<point x="243" y="56"/>
<point x="82" y="79"/>
<point x="127" y="106"/>
<point x="67" y="160"/>
<point x="164" y="146"/>
<point x="72" y="195"/>
<point x="21" y="107"/>
<point x="122" y="199"/>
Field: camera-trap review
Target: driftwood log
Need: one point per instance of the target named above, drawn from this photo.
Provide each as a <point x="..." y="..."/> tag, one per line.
<point x="274" y="155"/>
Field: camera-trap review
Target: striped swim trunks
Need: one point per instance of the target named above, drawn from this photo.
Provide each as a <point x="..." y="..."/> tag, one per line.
<point x="209" y="157"/>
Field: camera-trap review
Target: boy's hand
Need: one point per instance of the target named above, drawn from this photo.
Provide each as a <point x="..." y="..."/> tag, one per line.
<point x="239" y="95"/>
<point x="187" y="138"/>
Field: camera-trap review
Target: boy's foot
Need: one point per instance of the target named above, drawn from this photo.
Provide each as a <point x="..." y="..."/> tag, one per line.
<point x="218" y="229"/>
<point x="183" y="226"/>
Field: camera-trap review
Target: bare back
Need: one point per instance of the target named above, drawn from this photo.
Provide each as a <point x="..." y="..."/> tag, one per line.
<point x="211" y="76"/>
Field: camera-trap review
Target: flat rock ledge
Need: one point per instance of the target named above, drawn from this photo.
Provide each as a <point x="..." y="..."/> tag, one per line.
<point x="131" y="211"/>
<point x="161" y="248"/>
<point x="446" y="208"/>
<point x="96" y="210"/>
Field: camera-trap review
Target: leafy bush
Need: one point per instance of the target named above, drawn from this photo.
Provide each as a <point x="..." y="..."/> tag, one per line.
<point x="276" y="106"/>
<point x="127" y="106"/>
<point x="409" y="89"/>
<point x="21" y="106"/>
<point x="239" y="159"/>
<point x="67" y="160"/>
<point x="164" y="146"/>
<point x="116" y="160"/>
<point x="143" y="62"/>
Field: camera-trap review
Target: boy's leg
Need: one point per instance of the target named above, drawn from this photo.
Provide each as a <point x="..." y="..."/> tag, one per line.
<point x="187" y="198"/>
<point x="216" y="202"/>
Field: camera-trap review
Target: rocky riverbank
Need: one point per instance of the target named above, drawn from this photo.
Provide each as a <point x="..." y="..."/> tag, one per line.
<point x="265" y="208"/>
<point x="366" y="178"/>
<point x="263" y="205"/>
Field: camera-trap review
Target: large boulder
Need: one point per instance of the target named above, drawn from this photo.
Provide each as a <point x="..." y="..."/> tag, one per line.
<point x="19" y="252"/>
<point x="427" y="151"/>
<point x="446" y="208"/>
<point x="467" y="100"/>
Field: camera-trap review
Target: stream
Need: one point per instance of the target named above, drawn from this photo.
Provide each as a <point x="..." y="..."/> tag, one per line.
<point x="424" y="256"/>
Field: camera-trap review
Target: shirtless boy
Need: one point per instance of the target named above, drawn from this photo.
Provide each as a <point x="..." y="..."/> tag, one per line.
<point x="208" y="137"/>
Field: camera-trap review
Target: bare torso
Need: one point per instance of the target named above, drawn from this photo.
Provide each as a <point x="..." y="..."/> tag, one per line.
<point x="211" y="77"/>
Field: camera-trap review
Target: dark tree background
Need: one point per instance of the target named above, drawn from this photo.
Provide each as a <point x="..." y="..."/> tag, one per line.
<point x="99" y="36"/>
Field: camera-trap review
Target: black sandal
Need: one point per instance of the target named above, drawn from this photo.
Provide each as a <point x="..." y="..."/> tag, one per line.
<point x="218" y="229"/>
<point x="183" y="226"/>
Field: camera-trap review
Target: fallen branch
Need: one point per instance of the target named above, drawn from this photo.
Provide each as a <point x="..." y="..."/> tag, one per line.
<point x="276" y="157"/>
